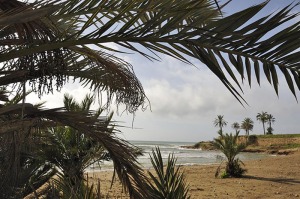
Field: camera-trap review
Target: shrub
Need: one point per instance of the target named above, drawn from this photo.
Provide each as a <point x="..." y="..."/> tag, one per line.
<point x="252" y="140"/>
<point x="270" y="131"/>
<point x="197" y="145"/>
<point x="168" y="182"/>
<point x="230" y="147"/>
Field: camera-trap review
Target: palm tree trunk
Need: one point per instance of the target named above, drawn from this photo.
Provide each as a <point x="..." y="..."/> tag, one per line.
<point x="264" y="128"/>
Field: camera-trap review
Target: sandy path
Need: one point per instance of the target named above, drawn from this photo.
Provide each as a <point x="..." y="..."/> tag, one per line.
<point x="272" y="177"/>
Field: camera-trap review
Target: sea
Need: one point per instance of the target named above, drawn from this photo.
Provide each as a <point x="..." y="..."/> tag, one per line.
<point x="183" y="155"/>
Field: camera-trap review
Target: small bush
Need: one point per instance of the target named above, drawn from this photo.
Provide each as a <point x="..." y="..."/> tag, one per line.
<point x="197" y="145"/>
<point x="204" y="146"/>
<point x="224" y="174"/>
<point x="270" y="131"/>
<point x="252" y="140"/>
<point x="167" y="181"/>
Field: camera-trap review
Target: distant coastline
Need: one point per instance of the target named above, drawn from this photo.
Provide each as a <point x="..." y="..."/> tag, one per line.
<point x="280" y="144"/>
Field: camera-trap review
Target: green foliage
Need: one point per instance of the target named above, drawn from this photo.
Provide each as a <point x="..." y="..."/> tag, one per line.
<point x="204" y="145"/>
<point x="263" y="118"/>
<point x="187" y="29"/>
<point x="44" y="43"/>
<point x="224" y="174"/>
<point x="220" y="122"/>
<point x="247" y="124"/>
<point x="252" y="140"/>
<point x="234" y="168"/>
<point x="197" y="145"/>
<point x="168" y="182"/>
<point x="279" y="136"/>
<point x="62" y="188"/>
<point x="70" y="150"/>
<point x="229" y="146"/>
<point x="21" y="169"/>
<point x="270" y="131"/>
<point x="278" y="147"/>
<point x="291" y="146"/>
<point x="236" y="126"/>
<point x="30" y="173"/>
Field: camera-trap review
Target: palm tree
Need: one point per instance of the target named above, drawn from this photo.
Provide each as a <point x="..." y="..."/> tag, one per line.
<point x="47" y="42"/>
<point x="262" y="117"/>
<point x="220" y="122"/>
<point x="21" y="168"/>
<point x="236" y="126"/>
<point x="247" y="125"/>
<point x="229" y="146"/>
<point x="270" y="119"/>
<point x="71" y="151"/>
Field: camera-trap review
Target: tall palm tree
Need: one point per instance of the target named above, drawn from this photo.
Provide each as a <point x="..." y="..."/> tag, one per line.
<point x="262" y="117"/>
<point x="220" y="122"/>
<point x="235" y="126"/>
<point x="47" y="42"/>
<point x="270" y="119"/>
<point x="247" y="125"/>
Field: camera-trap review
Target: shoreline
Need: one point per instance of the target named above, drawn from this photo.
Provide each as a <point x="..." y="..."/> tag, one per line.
<point x="270" y="177"/>
<point x="149" y="167"/>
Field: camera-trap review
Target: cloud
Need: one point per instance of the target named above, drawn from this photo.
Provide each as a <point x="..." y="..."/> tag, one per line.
<point x="185" y="100"/>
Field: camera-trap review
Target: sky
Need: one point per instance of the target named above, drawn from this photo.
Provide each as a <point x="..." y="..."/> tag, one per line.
<point x="185" y="99"/>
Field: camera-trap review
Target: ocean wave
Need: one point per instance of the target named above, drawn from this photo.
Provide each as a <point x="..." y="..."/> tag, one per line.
<point x="184" y="156"/>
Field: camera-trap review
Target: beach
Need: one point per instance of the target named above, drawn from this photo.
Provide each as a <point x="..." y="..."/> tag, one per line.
<point x="268" y="177"/>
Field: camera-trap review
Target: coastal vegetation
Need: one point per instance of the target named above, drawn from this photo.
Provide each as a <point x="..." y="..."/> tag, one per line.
<point x="280" y="136"/>
<point x="273" y="144"/>
<point x="262" y="117"/>
<point x="229" y="145"/>
<point x="71" y="152"/>
<point x="247" y="125"/>
<point x="236" y="126"/>
<point x="220" y="122"/>
<point x="168" y="181"/>
<point x="270" y="120"/>
<point x="45" y="44"/>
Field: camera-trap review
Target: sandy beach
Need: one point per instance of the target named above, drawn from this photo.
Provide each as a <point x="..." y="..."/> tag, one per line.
<point x="271" y="177"/>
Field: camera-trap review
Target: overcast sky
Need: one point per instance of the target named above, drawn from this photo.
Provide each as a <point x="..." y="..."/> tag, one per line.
<point x="185" y="100"/>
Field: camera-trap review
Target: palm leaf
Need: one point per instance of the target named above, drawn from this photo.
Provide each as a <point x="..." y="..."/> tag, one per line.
<point x="182" y="28"/>
<point x="121" y="152"/>
<point x="168" y="181"/>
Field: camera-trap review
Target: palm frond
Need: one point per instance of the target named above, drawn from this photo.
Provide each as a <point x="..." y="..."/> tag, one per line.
<point x="121" y="152"/>
<point x="181" y="29"/>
